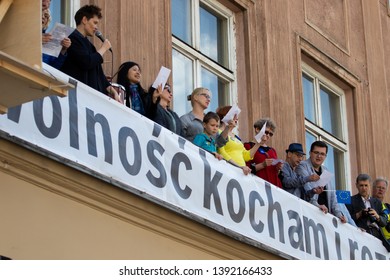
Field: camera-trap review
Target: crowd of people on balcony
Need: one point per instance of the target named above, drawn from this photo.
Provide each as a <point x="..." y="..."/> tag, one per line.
<point x="299" y="177"/>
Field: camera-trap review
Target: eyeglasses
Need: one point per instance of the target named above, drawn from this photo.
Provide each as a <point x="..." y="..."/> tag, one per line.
<point x="299" y="155"/>
<point x="168" y="88"/>
<point x="208" y="97"/>
<point x="268" y="133"/>
<point x="317" y="153"/>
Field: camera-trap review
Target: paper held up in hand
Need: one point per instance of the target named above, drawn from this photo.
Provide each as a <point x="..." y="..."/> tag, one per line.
<point x="325" y="178"/>
<point x="234" y="111"/>
<point x="259" y="135"/>
<point x="162" y="77"/>
<point x="275" y="161"/>
<point x="58" y="33"/>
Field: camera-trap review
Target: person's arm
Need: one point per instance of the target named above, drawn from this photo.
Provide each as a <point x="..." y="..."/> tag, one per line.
<point x="105" y="47"/>
<point x="253" y="150"/>
<point x="66" y="43"/>
<point x="223" y="137"/>
<point x="334" y="206"/>
<point x="221" y="140"/>
<point x="113" y="93"/>
<point x="150" y="101"/>
<point x="291" y="180"/>
<point x="305" y="171"/>
<point x="379" y="214"/>
<point x="46" y="37"/>
<point x="224" y="154"/>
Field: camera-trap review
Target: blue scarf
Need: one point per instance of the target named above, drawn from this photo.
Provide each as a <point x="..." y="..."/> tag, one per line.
<point x="136" y="101"/>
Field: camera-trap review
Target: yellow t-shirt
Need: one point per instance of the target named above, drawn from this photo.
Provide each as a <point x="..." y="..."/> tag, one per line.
<point x="235" y="150"/>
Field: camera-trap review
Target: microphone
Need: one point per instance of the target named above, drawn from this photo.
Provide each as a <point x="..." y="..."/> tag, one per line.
<point x="100" y="36"/>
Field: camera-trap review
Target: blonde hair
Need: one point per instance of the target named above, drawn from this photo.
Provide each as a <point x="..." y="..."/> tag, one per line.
<point x="196" y="92"/>
<point x="47" y="15"/>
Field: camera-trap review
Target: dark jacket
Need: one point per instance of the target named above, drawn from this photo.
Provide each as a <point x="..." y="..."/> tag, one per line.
<point x="357" y="205"/>
<point x="84" y="63"/>
<point x="168" y="119"/>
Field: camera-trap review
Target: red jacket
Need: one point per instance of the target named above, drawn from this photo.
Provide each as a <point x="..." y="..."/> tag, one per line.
<point x="270" y="173"/>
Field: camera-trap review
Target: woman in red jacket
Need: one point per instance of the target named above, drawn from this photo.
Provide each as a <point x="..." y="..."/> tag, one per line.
<point x="264" y="163"/>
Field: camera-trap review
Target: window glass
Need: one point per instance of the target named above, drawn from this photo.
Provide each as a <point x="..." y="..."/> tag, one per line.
<point x="183" y="82"/>
<point x="211" y="38"/>
<point x="334" y="162"/>
<point x="210" y="81"/>
<point x="181" y="20"/>
<point x="323" y="107"/>
<point x="330" y="112"/>
<point x="310" y="138"/>
<point x="201" y="46"/>
<point x="308" y="97"/>
<point x="56" y="14"/>
<point x="330" y="163"/>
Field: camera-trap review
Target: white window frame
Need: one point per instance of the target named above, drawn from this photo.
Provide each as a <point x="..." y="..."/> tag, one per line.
<point x="70" y="9"/>
<point x="199" y="60"/>
<point x="340" y="144"/>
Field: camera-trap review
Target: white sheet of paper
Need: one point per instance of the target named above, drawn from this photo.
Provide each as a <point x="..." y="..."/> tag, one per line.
<point x="261" y="133"/>
<point x="58" y="33"/>
<point x="232" y="112"/>
<point x="162" y="77"/>
<point x="276" y="161"/>
<point x="325" y="178"/>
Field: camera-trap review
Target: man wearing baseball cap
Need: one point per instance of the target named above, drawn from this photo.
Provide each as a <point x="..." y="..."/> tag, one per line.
<point x="291" y="181"/>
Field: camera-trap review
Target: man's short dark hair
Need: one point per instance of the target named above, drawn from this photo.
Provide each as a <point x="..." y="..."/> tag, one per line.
<point x="363" y="177"/>
<point x="88" y="11"/>
<point x="319" y="144"/>
<point x="210" y="116"/>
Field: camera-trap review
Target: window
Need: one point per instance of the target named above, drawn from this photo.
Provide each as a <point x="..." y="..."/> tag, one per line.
<point x="388" y="7"/>
<point x="202" y="52"/>
<point x="63" y="11"/>
<point x="325" y="120"/>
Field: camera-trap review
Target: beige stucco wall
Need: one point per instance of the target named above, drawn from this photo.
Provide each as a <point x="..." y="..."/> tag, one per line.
<point x="51" y="211"/>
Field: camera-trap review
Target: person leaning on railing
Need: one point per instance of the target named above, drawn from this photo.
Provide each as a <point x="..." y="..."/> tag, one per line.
<point x="379" y="189"/>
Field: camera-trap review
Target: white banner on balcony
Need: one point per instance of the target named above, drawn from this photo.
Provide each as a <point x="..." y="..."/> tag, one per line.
<point x="89" y="131"/>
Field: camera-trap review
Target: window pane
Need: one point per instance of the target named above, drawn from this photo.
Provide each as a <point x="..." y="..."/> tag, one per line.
<point x="330" y="112"/>
<point x="335" y="162"/>
<point x="56" y="14"/>
<point x="310" y="138"/>
<point x="212" y="34"/>
<point x="181" y="20"/>
<point x="183" y="83"/>
<point x="308" y="96"/>
<point x="218" y="88"/>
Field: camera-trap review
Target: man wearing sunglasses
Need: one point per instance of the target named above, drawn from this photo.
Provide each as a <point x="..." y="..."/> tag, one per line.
<point x="323" y="197"/>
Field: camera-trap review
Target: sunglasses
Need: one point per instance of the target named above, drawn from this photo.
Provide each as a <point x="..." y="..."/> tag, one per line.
<point x="168" y="88"/>
<point x="268" y="133"/>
